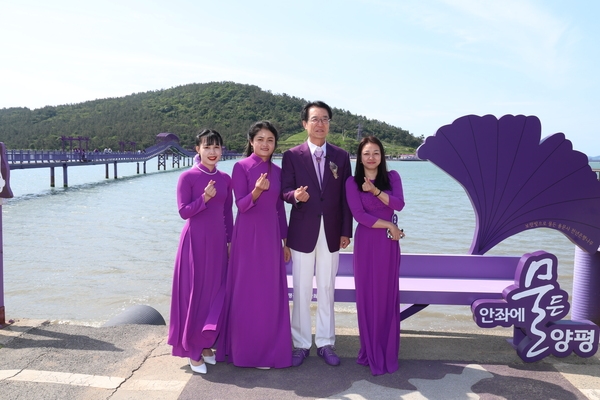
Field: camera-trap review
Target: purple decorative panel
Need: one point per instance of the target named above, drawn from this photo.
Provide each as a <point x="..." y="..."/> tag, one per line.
<point x="517" y="182"/>
<point x="5" y="191"/>
<point x="534" y="305"/>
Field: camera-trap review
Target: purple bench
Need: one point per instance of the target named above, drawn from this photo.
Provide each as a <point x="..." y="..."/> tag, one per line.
<point x="433" y="279"/>
<point x="502" y="291"/>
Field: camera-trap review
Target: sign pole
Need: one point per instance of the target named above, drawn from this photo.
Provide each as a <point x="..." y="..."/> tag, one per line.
<point x="5" y="193"/>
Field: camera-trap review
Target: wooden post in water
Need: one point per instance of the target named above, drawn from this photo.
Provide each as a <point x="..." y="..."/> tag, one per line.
<point x="115" y="170"/>
<point x="106" y="165"/>
<point x="65" y="177"/>
<point x="51" y="176"/>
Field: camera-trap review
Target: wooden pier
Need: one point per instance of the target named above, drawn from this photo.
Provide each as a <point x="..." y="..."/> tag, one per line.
<point x="25" y="159"/>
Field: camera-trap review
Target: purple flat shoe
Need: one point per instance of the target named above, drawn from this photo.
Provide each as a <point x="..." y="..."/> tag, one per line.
<point x="298" y="356"/>
<point x="327" y="353"/>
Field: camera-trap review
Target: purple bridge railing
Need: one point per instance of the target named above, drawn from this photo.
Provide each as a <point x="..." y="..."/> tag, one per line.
<point x="22" y="159"/>
<point x="25" y="159"/>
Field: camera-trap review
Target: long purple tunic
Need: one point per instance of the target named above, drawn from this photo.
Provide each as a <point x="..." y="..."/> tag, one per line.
<point x="201" y="261"/>
<point x="256" y="331"/>
<point x="376" y="273"/>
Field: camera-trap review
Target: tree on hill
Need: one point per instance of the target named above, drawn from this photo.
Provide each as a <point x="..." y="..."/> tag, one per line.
<point x="228" y="107"/>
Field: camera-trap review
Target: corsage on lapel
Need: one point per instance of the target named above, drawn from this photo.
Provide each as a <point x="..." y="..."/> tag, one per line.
<point x="334" y="169"/>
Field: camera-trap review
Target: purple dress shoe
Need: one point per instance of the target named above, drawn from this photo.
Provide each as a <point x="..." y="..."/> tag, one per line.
<point x="298" y="356"/>
<point x="328" y="354"/>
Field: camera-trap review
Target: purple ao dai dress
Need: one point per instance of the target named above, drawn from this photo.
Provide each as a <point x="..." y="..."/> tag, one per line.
<point x="201" y="261"/>
<point x="376" y="273"/>
<point x="256" y="331"/>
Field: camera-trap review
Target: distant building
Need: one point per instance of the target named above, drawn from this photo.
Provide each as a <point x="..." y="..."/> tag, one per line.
<point x="166" y="137"/>
<point x="409" y="157"/>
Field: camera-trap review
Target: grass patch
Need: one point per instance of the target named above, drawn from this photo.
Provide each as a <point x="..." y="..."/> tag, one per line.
<point x="350" y="144"/>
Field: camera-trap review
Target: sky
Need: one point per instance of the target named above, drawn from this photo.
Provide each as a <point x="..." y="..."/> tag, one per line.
<point x="415" y="64"/>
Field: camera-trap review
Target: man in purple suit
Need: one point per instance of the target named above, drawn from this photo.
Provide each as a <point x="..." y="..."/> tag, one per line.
<point x="313" y="177"/>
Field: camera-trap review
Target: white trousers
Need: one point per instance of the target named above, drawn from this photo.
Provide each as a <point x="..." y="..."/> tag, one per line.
<point x="324" y="265"/>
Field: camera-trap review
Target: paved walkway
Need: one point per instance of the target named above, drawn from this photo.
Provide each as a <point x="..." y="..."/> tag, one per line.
<point x="42" y="360"/>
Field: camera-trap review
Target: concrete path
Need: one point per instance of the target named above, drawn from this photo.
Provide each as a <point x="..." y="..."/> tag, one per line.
<point x="42" y="360"/>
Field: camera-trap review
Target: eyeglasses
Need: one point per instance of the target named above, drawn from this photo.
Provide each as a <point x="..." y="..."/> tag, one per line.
<point x="324" y="121"/>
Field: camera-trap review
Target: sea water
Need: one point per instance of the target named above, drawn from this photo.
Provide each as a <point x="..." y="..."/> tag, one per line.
<point x="86" y="253"/>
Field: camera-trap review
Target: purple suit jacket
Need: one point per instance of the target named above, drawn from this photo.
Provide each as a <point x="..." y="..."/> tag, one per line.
<point x="298" y="170"/>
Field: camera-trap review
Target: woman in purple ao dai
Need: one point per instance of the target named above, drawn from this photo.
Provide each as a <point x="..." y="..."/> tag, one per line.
<point x="373" y="195"/>
<point x="204" y="200"/>
<point x="256" y="329"/>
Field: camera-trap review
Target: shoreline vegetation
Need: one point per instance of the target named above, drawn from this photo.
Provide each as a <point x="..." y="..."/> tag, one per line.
<point x="132" y="123"/>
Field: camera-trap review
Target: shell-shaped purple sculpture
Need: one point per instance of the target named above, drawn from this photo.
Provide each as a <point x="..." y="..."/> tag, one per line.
<point x="517" y="182"/>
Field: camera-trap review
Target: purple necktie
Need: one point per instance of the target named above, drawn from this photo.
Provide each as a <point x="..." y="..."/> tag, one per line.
<point x="319" y="156"/>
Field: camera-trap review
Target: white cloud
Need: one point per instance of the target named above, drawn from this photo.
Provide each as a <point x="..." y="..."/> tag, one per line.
<point x="519" y="35"/>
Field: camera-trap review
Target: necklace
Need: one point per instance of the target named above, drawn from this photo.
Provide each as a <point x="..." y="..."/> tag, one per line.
<point x="206" y="172"/>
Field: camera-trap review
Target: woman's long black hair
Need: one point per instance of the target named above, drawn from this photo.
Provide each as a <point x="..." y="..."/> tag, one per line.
<point x="382" y="181"/>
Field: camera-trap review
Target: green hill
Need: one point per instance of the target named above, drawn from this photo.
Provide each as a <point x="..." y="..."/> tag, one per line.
<point x="228" y="107"/>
